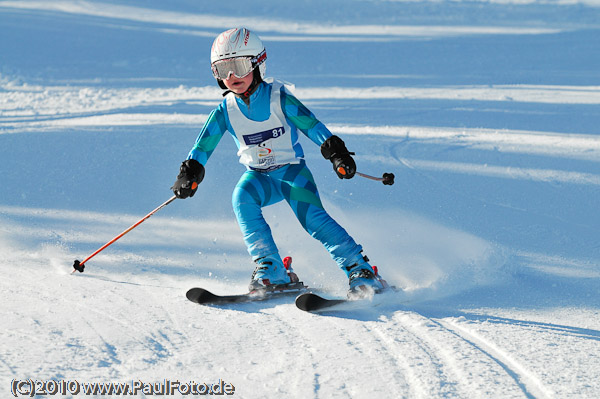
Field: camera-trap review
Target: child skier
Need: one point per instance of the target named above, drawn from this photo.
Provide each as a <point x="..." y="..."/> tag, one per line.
<point x="264" y="119"/>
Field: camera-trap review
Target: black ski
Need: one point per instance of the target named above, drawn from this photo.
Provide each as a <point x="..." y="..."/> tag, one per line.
<point x="203" y="296"/>
<point x="311" y="302"/>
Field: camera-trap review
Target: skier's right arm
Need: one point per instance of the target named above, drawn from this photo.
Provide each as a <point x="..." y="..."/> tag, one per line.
<point x="191" y="171"/>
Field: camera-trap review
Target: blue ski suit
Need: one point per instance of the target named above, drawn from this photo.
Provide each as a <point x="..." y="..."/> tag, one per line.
<point x="266" y="134"/>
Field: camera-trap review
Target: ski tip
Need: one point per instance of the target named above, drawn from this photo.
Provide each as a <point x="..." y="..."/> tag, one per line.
<point x="311" y="302"/>
<point x="305" y="301"/>
<point x="192" y="294"/>
<point x="199" y="295"/>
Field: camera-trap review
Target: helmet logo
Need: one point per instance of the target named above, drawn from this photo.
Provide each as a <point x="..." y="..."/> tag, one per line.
<point x="230" y="40"/>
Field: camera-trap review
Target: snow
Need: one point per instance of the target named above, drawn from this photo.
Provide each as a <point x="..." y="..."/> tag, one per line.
<point x="485" y="111"/>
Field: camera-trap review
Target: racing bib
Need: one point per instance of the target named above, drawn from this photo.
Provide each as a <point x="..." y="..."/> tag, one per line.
<point x="266" y="144"/>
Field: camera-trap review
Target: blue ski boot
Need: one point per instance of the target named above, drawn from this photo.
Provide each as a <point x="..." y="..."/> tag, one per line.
<point x="271" y="271"/>
<point x="363" y="280"/>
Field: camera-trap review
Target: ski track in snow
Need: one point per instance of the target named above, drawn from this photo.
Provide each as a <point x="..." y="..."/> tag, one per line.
<point x="491" y="227"/>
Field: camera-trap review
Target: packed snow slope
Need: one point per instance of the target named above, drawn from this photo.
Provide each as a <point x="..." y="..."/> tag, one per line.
<point x="487" y="112"/>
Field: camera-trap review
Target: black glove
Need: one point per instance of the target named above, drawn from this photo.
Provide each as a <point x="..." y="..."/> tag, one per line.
<point x="190" y="175"/>
<point x="335" y="150"/>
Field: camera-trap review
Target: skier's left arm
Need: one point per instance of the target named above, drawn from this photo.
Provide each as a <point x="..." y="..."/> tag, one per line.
<point x="332" y="147"/>
<point x="301" y="117"/>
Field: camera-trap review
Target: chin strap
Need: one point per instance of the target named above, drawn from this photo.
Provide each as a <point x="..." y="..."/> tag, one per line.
<point x="245" y="95"/>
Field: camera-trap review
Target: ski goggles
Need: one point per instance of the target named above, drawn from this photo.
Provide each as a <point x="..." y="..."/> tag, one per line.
<point x="240" y="67"/>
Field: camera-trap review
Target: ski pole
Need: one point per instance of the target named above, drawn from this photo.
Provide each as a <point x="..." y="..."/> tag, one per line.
<point x="387" y="179"/>
<point x="79" y="266"/>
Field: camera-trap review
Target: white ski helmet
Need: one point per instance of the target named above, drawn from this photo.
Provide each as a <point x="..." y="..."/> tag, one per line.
<point x="239" y="42"/>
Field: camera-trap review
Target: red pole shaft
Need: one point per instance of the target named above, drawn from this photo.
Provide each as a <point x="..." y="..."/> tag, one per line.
<point x="128" y="230"/>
